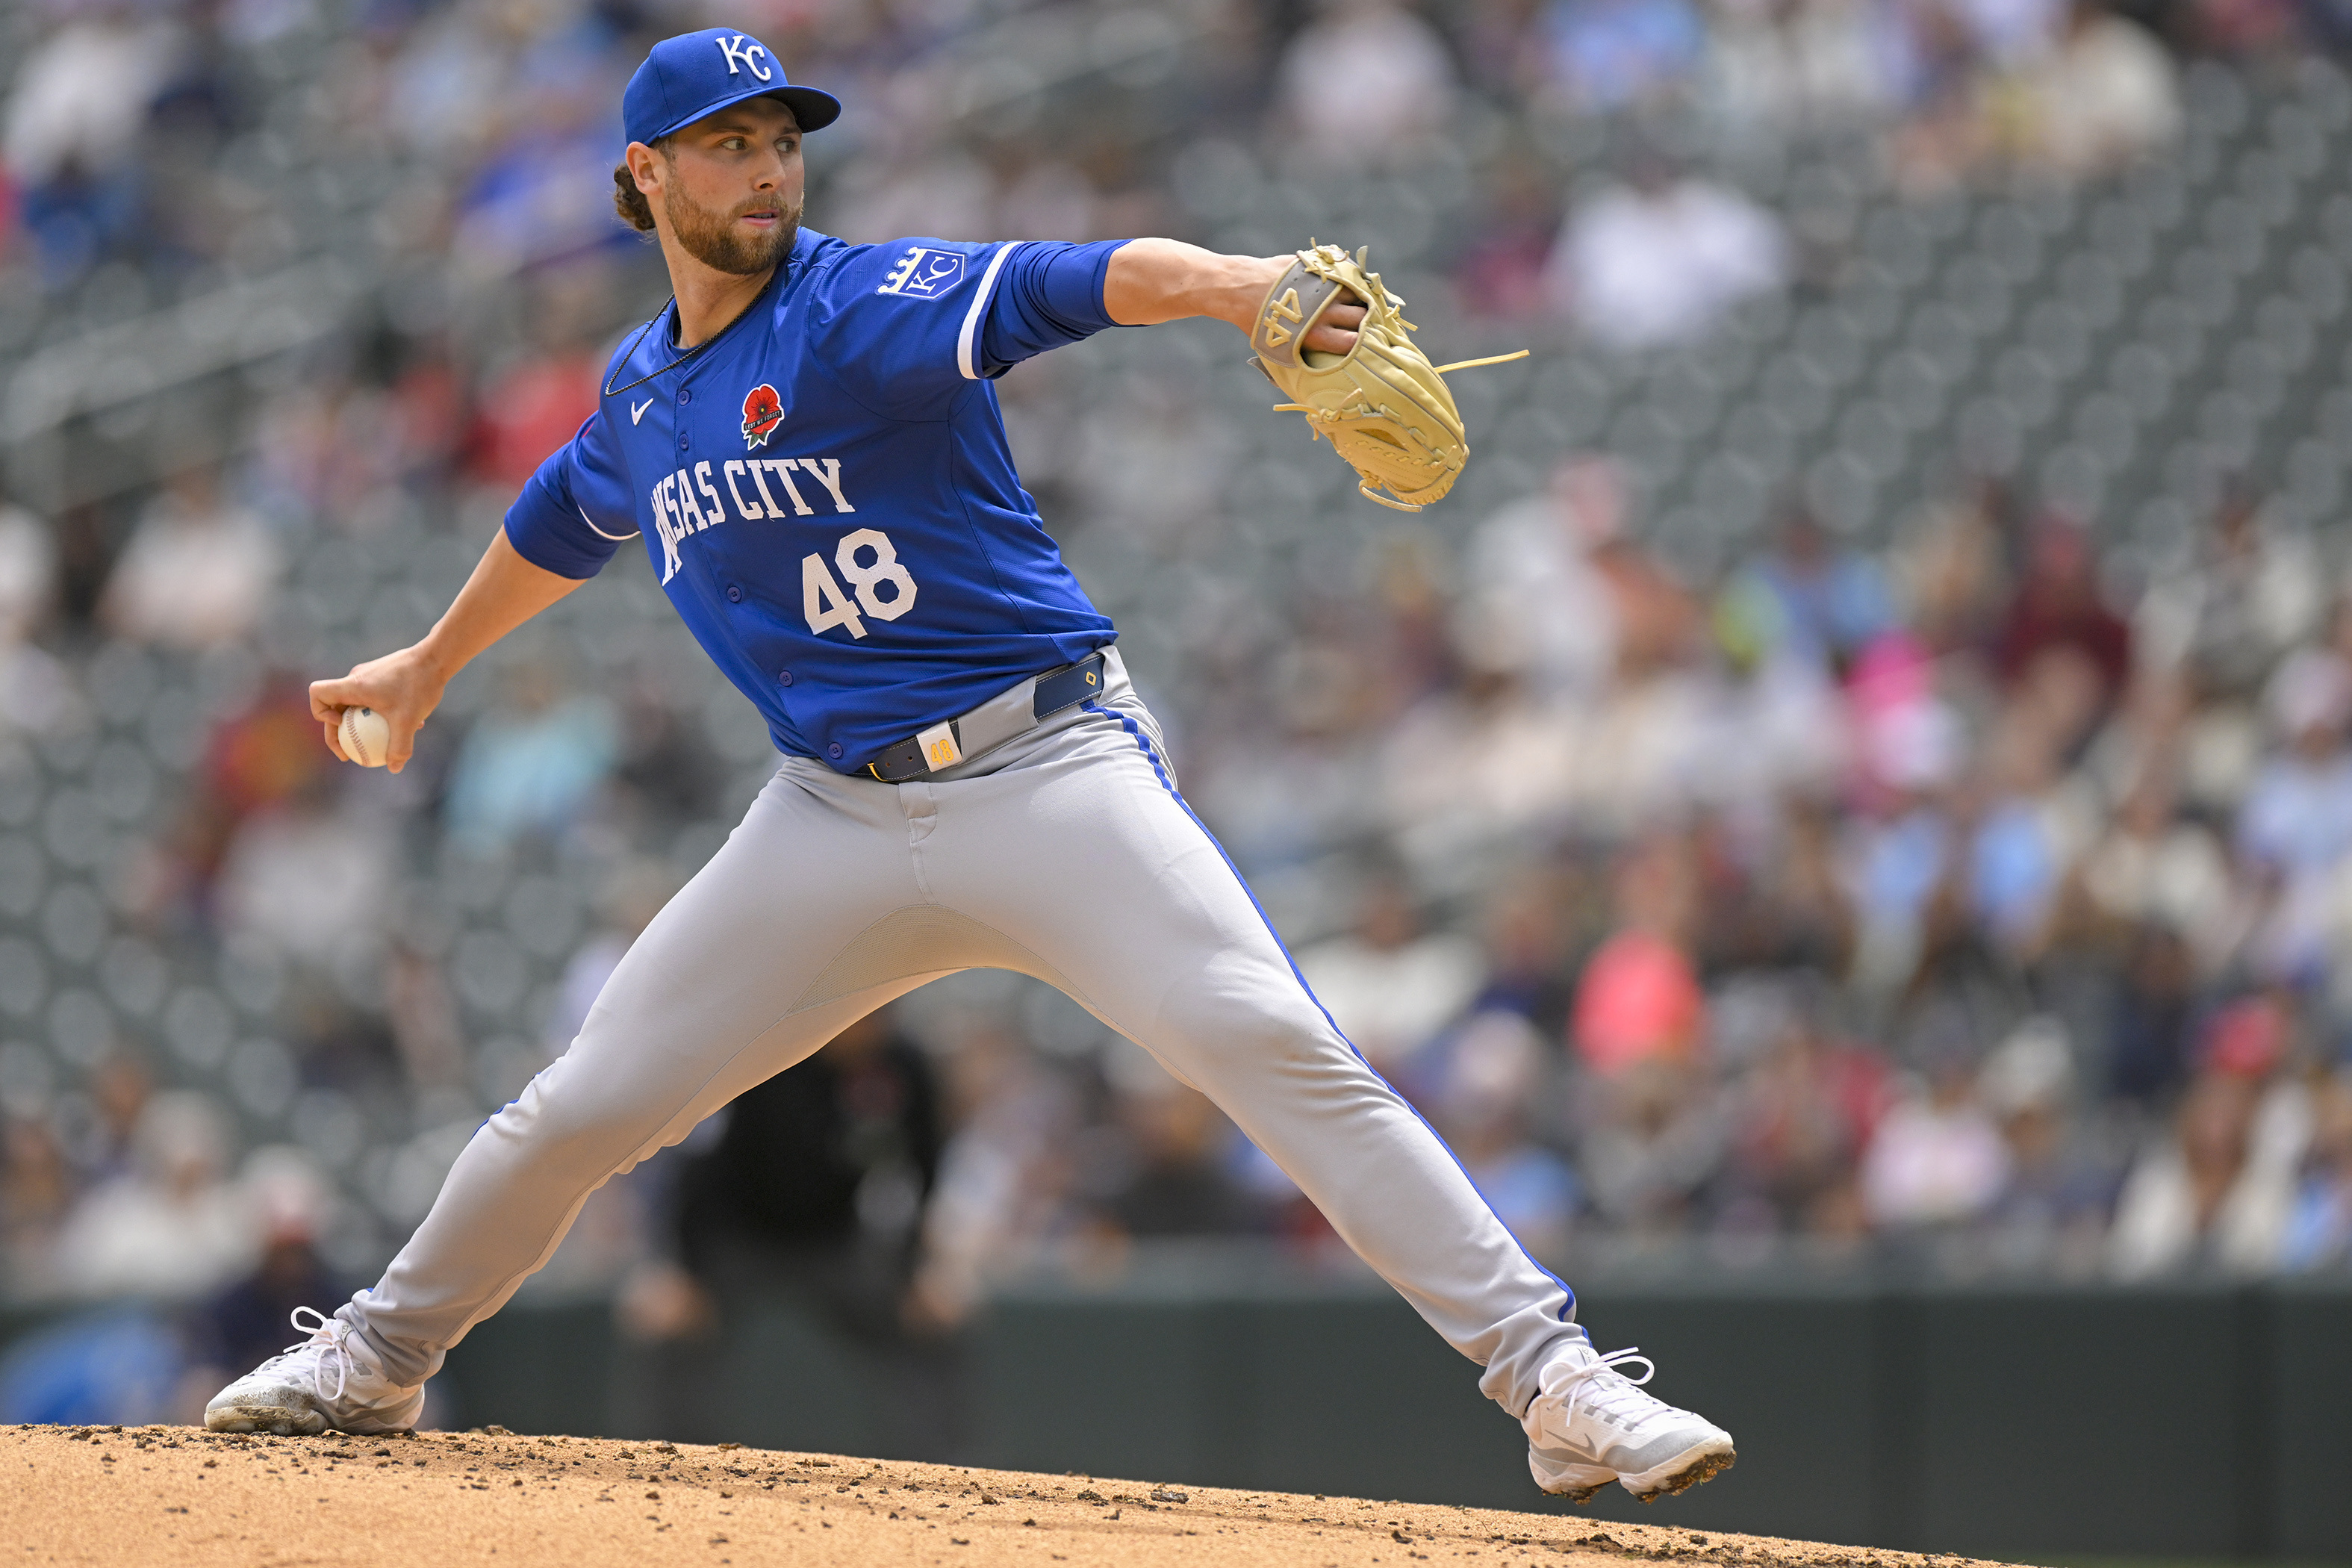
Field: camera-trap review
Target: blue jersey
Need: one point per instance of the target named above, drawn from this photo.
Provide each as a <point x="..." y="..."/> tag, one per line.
<point x="825" y="490"/>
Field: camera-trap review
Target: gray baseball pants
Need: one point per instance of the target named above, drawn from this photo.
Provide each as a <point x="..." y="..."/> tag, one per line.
<point x="1066" y="854"/>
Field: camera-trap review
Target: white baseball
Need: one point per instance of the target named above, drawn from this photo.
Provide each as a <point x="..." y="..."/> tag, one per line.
<point x="366" y="737"/>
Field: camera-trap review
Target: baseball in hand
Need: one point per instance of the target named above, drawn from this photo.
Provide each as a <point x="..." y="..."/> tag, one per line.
<point x="366" y="737"/>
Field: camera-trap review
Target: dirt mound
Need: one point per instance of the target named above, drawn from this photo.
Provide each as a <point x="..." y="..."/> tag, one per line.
<point x="171" y="1494"/>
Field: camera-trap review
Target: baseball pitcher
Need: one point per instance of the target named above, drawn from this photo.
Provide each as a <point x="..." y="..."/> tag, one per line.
<point x="807" y="448"/>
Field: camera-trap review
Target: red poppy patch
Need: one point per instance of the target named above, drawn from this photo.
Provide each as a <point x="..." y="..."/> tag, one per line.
<point x="762" y="411"/>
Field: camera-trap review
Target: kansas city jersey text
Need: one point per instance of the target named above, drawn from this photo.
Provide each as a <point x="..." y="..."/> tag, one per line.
<point x="825" y="491"/>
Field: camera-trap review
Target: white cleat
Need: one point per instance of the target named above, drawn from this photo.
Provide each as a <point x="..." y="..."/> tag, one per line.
<point x="329" y="1383"/>
<point x="1592" y="1425"/>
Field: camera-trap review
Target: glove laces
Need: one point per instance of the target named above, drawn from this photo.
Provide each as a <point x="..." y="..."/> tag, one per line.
<point x="1600" y="1380"/>
<point x="321" y="1332"/>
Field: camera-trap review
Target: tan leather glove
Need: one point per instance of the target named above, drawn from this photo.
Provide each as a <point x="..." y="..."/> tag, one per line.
<point x="1382" y="404"/>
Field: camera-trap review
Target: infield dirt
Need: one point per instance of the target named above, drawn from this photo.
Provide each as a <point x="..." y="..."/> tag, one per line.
<point x="174" y="1494"/>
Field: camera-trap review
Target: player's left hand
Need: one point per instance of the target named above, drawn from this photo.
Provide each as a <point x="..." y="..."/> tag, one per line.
<point x="1335" y="332"/>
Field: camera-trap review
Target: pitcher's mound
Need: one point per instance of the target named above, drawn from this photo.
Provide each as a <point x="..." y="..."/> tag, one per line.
<point x="171" y="1494"/>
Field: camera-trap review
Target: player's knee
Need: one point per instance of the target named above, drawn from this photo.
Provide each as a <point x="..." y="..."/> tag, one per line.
<point x="561" y="1114"/>
<point x="1258" y="1031"/>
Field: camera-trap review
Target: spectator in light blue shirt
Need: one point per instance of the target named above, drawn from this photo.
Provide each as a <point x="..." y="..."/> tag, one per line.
<point x="531" y="765"/>
<point x="1612" y="54"/>
<point x="2319" y="1226"/>
<point x="1806" y="599"/>
<point x="2297" y="817"/>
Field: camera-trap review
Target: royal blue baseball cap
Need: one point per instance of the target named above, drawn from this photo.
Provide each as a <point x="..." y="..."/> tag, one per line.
<point x="702" y="73"/>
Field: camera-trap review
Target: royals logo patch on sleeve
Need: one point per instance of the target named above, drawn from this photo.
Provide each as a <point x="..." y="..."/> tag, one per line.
<point x="924" y="273"/>
<point x="762" y="411"/>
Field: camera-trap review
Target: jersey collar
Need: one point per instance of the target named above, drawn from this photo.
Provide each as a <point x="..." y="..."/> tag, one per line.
<point x="803" y="245"/>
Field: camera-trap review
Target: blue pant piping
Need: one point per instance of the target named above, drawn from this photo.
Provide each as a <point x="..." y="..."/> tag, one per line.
<point x="1151" y="755"/>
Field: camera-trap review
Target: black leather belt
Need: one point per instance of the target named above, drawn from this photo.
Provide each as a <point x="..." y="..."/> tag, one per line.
<point x="944" y="745"/>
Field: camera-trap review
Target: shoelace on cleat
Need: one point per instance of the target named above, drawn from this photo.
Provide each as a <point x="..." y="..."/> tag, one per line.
<point x="1599" y="1383"/>
<point x="322" y="1335"/>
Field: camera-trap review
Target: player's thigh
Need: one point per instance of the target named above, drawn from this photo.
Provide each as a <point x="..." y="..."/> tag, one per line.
<point x="721" y="989"/>
<point x="1097" y="865"/>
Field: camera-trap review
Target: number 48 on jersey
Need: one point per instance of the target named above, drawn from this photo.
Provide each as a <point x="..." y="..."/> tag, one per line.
<point x="883" y="585"/>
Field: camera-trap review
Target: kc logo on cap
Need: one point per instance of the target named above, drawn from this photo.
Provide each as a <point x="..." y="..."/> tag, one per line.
<point x="695" y="75"/>
<point x="742" y="54"/>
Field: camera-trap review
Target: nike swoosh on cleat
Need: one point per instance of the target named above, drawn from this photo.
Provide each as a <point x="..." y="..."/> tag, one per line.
<point x="638" y="413"/>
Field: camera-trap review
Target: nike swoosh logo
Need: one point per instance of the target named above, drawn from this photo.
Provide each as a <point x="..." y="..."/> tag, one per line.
<point x="637" y="413"/>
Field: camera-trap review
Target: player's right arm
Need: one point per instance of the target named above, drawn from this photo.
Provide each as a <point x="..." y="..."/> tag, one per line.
<point x="405" y="687"/>
<point x="549" y="546"/>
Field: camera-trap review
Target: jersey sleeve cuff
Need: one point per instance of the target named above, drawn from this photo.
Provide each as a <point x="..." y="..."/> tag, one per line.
<point x="554" y="537"/>
<point x="1049" y="294"/>
<point x="968" y="339"/>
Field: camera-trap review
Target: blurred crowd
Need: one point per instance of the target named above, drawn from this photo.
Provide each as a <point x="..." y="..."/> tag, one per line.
<point x="144" y="141"/>
<point x="1965" y="895"/>
<point x="1964" y="888"/>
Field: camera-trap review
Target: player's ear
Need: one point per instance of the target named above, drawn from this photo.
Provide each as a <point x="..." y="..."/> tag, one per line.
<point x="645" y="167"/>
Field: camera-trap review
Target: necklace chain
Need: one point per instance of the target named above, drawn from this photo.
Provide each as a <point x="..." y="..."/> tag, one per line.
<point x="612" y="391"/>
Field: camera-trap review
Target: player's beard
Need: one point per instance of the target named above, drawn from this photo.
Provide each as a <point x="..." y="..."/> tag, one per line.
<point x="711" y="237"/>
